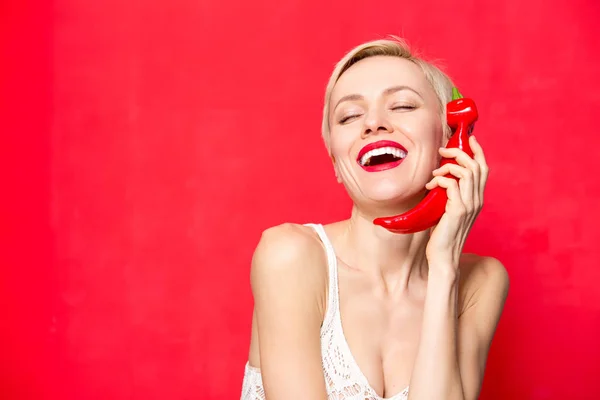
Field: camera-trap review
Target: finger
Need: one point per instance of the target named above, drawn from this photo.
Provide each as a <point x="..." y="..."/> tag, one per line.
<point x="479" y="156"/>
<point x="453" y="169"/>
<point x="455" y="203"/>
<point x="460" y="156"/>
<point x="465" y="160"/>
<point x="478" y="153"/>
<point x="468" y="183"/>
<point x="432" y="184"/>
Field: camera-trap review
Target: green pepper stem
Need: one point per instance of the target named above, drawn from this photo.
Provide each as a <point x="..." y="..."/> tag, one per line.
<point x="456" y="94"/>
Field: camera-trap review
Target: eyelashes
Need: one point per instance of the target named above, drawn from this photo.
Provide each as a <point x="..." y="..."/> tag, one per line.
<point x="404" y="107"/>
<point x="347" y="118"/>
<point x="397" y="108"/>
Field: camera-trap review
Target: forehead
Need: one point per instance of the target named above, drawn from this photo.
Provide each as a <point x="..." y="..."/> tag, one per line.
<point x="373" y="75"/>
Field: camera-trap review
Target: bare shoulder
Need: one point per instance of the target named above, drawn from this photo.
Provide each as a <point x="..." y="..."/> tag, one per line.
<point x="286" y="242"/>
<point x="483" y="269"/>
<point x="483" y="280"/>
<point x="289" y="257"/>
<point x="286" y="247"/>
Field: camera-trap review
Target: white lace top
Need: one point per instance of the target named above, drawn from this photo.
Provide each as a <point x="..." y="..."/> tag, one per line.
<point x="343" y="377"/>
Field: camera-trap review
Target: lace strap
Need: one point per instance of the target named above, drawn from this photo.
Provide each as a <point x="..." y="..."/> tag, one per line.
<point x="332" y="303"/>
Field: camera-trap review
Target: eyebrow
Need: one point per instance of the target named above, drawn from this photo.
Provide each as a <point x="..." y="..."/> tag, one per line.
<point x="386" y="92"/>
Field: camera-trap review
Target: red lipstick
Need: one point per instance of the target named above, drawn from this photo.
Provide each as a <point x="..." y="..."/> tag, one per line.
<point x="399" y="151"/>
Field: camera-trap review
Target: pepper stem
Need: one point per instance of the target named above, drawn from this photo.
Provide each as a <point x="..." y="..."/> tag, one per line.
<point x="456" y="94"/>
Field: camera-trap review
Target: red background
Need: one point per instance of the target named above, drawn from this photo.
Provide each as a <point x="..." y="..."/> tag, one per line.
<point x="145" y="146"/>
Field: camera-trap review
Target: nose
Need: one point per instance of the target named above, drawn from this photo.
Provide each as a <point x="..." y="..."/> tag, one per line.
<point x="376" y="122"/>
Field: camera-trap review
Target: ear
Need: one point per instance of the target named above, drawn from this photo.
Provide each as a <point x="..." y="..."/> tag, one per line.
<point x="335" y="170"/>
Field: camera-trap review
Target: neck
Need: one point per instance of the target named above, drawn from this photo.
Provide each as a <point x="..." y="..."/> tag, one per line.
<point x="396" y="259"/>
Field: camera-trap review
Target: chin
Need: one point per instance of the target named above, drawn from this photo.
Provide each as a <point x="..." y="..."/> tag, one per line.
<point x="390" y="192"/>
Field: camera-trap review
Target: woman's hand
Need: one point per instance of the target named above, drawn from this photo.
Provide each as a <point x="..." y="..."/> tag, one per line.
<point x="465" y="200"/>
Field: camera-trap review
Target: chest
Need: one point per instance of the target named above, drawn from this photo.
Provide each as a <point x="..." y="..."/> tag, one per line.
<point x="382" y="333"/>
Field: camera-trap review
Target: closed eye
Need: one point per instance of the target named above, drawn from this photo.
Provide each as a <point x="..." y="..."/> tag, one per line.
<point x="348" y="118"/>
<point x="403" y="107"/>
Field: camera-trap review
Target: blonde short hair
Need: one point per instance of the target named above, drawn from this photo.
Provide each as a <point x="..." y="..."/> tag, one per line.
<point x="394" y="47"/>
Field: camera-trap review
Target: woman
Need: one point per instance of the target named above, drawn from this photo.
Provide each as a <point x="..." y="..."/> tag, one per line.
<point x="350" y="310"/>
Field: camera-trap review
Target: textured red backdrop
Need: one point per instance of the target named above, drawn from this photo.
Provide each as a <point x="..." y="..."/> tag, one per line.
<point x="145" y="145"/>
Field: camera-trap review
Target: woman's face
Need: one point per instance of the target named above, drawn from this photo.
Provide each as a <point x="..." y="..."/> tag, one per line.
<point x="386" y="130"/>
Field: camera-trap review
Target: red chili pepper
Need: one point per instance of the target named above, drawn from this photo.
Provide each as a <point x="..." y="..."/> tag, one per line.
<point x="461" y="115"/>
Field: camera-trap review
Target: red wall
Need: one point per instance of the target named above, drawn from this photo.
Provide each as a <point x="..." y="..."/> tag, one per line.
<point x="145" y="145"/>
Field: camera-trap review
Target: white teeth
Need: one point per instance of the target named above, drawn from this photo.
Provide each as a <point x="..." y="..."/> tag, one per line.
<point x="380" y="151"/>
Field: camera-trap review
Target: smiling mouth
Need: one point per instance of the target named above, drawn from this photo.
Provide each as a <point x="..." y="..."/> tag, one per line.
<point x="381" y="156"/>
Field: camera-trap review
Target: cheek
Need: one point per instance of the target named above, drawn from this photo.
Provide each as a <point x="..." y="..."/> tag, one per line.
<point x="340" y="144"/>
<point x="438" y="140"/>
<point x="427" y="134"/>
<point x="431" y="132"/>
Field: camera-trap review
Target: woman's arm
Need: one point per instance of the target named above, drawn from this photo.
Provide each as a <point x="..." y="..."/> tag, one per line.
<point x="453" y="350"/>
<point x="478" y="321"/>
<point x="288" y="284"/>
